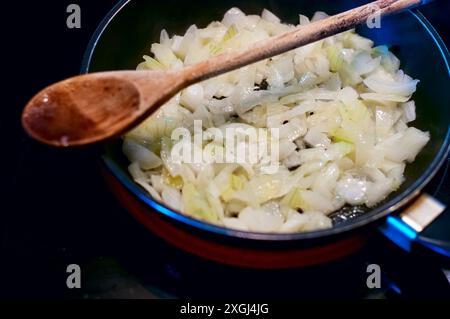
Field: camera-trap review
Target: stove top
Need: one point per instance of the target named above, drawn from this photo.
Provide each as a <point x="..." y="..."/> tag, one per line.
<point x="155" y="269"/>
<point x="124" y="260"/>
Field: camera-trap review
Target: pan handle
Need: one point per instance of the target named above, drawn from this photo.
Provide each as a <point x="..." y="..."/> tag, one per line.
<point x="410" y="225"/>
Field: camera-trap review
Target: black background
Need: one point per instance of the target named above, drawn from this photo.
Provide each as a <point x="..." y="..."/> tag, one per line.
<point x="55" y="209"/>
<point x="54" y="204"/>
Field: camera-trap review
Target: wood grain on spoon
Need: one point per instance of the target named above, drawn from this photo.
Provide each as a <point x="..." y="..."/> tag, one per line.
<point x="95" y="107"/>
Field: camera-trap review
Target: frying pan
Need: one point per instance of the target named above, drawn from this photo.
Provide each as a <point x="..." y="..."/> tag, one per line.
<point x="126" y="34"/>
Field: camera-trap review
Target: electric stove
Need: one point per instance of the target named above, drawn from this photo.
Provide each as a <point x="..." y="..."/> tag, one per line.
<point x="155" y="269"/>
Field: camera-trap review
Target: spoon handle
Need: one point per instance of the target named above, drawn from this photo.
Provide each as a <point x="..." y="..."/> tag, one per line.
<point x="301" y="36"/>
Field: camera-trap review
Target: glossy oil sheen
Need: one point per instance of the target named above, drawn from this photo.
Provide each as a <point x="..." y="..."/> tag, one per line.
<point x="132" y="26"/>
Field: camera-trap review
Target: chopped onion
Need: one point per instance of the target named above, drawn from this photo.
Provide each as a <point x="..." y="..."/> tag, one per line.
<point x="269" y="16"/>
<point x="319" y="15"/>
<point x="383" y="83"/>
<point x="409" y="111"/>
<point x="193" y="97"/>
<point x="137" y="153"/>
<point x="363" y="63"/>
<point x="406" y="146"/>
<point x="233" y="16"/>
<point x="338" y="110"/>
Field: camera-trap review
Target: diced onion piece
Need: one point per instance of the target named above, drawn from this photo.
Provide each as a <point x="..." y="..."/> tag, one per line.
<point x="406" y="146"/>
<point x="269" y="16"/>
<point x="233" y="16"/>
<point x="319" y="15"/>
<point x="137" y="153"/>
<point x="193" y="97"/>
<point x="352" y="190"/>
<point x="382" y="83"/>
<point x="409" y="111"/>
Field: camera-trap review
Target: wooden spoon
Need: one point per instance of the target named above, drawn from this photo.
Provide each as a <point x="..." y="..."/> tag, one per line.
<point x="94" y="107"/>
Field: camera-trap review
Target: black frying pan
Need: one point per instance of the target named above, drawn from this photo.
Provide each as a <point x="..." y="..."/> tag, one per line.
<point x="126" y="34"/>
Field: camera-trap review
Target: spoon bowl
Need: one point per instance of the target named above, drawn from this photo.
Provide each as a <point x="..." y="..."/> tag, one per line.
<point x="96" y="107"/>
